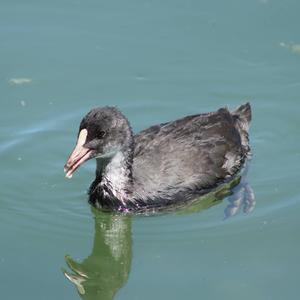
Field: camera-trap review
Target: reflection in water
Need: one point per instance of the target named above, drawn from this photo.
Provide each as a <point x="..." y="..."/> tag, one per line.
<point x="238" y="192"/>
<point x="242" y="196"/>
<point x="106" y="270"/>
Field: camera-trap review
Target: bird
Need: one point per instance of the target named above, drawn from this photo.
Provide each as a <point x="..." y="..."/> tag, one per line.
<point x="161" y="166"/>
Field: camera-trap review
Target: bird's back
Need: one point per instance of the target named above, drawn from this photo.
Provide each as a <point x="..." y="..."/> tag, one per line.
<point x="190" y="155"/>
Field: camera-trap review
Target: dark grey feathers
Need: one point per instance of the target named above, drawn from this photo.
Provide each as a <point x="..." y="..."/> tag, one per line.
<point x="175" y="161"/>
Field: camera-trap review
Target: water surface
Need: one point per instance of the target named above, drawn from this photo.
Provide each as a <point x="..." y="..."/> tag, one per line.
<point x="156" y="61"/>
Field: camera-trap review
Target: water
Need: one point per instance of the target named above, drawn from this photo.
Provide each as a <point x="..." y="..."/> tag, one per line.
<point x="155" y="60"/>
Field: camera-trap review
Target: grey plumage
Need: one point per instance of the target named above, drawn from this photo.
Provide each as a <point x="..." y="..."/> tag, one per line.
<point x="167" y="163"/>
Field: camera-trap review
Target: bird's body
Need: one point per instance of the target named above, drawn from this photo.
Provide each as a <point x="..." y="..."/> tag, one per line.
<point x="166" y="163"/>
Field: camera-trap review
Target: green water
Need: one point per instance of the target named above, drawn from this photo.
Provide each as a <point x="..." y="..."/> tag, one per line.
<point x="155" y="60"/>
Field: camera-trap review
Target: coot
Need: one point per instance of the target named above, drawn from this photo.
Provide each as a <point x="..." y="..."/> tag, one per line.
<point x="163" y="165"/>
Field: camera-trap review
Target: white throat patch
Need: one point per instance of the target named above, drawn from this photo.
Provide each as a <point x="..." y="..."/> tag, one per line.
<point x="115" y="175"/>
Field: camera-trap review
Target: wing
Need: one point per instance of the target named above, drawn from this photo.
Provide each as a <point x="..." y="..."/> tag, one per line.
<point x="190" y="154"/>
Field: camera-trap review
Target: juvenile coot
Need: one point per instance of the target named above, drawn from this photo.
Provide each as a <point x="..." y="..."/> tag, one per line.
<point x="164" y="164"/>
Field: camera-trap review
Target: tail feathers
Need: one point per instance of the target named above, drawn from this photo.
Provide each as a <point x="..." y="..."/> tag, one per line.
<point x="242" y="116"/>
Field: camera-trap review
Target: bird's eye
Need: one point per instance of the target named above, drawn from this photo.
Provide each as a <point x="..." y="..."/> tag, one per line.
<point x="101" y="134"/>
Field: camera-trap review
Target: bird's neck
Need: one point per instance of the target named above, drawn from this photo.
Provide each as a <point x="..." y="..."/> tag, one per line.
<point x="114" y="177"/>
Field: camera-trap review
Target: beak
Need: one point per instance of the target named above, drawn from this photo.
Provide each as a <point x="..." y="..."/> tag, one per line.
<point x="79" y="155"/>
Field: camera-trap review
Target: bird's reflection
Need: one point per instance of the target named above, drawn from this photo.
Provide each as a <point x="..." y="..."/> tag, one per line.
<point x="107" y="268"/>
<point x="242" y="197"/>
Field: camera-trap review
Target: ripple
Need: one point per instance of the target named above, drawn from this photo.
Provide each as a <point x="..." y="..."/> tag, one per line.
<point x="35" y="191"/>
<point x="46" y="125"/>
<point x="5" y="146"/>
